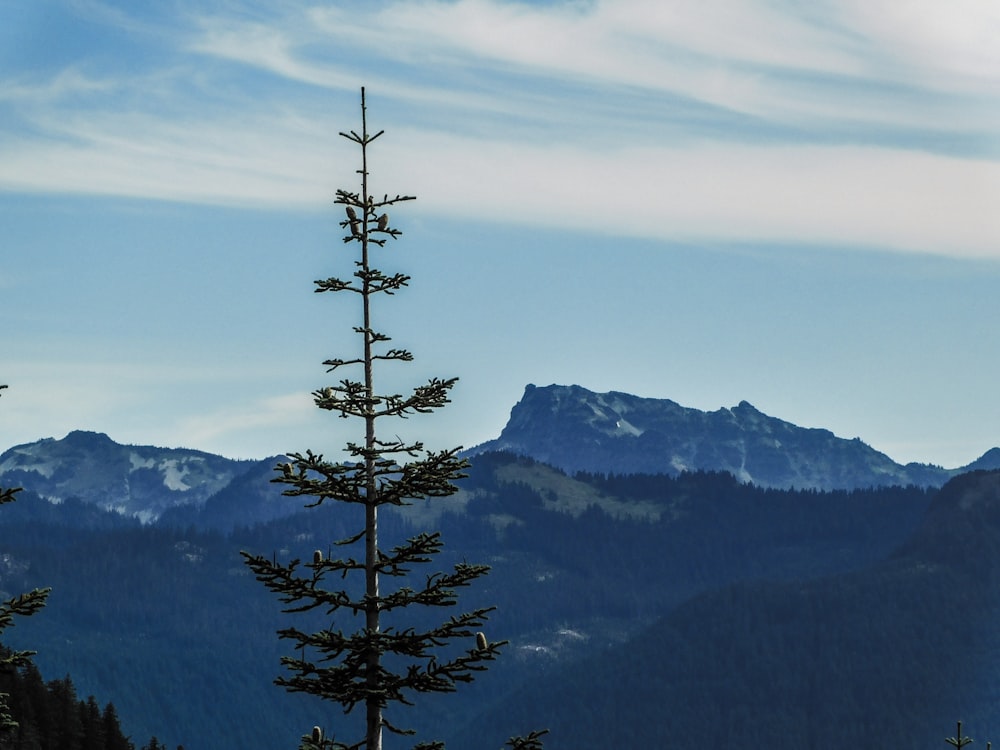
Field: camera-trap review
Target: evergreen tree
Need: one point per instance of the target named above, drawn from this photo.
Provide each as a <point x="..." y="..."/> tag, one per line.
<point x="114" y="738"/>
<point x="371" y="654"/>
<point x="92" y="724"/>
<point x="23" y="605"/>
<point x="959" y="740"/>
<point x="67" y="719"/>
<point x="49" y="717"/>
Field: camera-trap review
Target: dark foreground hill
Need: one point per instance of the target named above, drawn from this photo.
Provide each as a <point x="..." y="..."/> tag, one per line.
<point x="889" y="656"/>
<point x="167" y="623"/>
<point x="579" y="430"/>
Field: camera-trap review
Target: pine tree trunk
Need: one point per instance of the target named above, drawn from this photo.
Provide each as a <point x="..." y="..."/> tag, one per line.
<point x="373" y="707"/>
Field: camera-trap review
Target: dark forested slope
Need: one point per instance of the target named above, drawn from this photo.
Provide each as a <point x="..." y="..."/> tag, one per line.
<point x="167" y="623"/>
<point x="887" y="656"/>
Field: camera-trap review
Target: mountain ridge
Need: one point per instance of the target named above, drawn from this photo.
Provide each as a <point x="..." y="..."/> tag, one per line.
<point x="567" y="427"/>
<point x="576" y="429"/>
<point x="135" y="480"/>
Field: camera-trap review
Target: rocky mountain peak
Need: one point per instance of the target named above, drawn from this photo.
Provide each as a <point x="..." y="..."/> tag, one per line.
<point x="87" y="437"/>
<point x="575" y="429"/>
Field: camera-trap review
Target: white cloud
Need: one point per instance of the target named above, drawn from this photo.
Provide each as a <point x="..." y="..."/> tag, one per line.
<point x="626" y="42"/>
<point x="948" y="45"/>
<point x="265" y="47"/>
<point x="250" y="429"/>
<point x="214" y="407"/>
<point x="757" y="57"/>
<point x="635" y="169"/>
<point x="850" y="195"/>
<point x="823" y="194"/>
<point x="277" y="161"/>
<point x="70" y="82"/>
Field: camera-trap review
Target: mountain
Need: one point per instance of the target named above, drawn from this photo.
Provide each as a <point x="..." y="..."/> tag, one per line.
<point x="134" y="480"/>
<point x="750" y="608"/>
<point x="567" y="427"/>
<point x="164" y="618"/>
<point x="890" y="655"/>
<point x="250" y="498"/>
<point x="989" y="461"/>
<point x="579" y="430"/>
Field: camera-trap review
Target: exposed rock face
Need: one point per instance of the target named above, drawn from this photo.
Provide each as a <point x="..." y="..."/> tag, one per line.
<point x="579" y="430"/>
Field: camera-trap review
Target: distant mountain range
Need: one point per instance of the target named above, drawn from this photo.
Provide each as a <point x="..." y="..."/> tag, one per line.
<point x="143" y="481"/>
<point x="653" y="595"/>
<point x="568" y="427"/>
<point x="579" y="430"/>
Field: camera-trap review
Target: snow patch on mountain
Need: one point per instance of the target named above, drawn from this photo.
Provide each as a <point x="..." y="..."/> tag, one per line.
<point x="173" y="475"/>
<point x="135" y="480"/>
<point x="22" y="458"/>
<point x="624" y="427"/>
<point x="608" y="412"/>
<point x="678" y="464"/>
<point x="138" y="462"/>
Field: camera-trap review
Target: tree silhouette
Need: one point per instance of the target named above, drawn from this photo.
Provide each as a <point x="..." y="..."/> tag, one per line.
<point x="23" y="605"/>
<point x="370" y="653"/>
<point x="959" y="741"/>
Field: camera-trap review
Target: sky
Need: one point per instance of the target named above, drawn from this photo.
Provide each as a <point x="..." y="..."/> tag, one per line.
<point x="791" y="203"/>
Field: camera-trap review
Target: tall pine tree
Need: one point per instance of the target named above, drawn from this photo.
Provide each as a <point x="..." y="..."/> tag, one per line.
<point x="372" y="654"/>
<point x="22" y="605"/>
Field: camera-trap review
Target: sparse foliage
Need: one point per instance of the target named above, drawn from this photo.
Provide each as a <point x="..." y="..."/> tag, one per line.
<point x="23" y="605"/>
<point x="532" y="741"/>
<point x="959" y="740"/>
<point x="370" y="654"/>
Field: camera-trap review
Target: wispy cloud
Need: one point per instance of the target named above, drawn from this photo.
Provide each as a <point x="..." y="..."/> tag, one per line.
<point x="243" y="160"/>
<point x="242" y="424"/>
<point x="267" y="47"/>
<point x="234" y="414"/>
<point x="758" y="58"/>
<point x="843" y="195"/>
<point x="66" y="84"/>
<point x="948" y="46"/>
<point x="847" y="122"/>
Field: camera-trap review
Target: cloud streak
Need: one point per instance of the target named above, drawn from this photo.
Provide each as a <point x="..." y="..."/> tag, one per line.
<point x="839" y="195"/>
<point x="843" y="124"/>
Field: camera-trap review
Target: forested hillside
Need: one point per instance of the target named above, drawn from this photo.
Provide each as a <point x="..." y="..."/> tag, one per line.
<point x="889" y="655"/>
<point x="162" y="621"/>
<point x="50" y="716"/>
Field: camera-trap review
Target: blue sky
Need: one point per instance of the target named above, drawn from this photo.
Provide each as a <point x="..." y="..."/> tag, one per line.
<point x="790" y="203"/>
